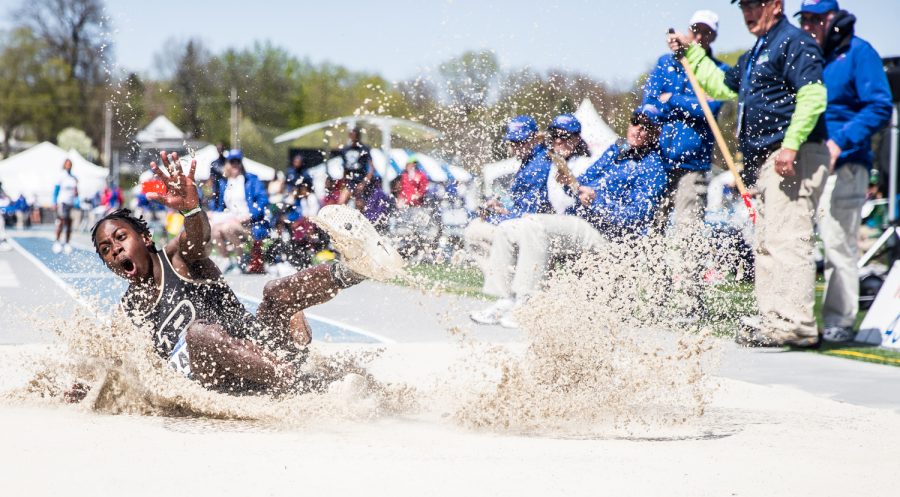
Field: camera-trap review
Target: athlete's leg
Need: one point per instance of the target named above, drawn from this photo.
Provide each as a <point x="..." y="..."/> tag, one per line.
<point x="285" y="298"/>
<point x="60" y="220"/>
<point x="68" y="222"/>
<point x="219" y="359"/>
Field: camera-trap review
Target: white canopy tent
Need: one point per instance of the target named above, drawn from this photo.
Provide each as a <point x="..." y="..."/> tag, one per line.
<point x="160" y="129"/>
<point x="33" y="173"/>
<point x="436" y="169"/>
<point x="389" y="126"/>
<point x="206" y="155"/>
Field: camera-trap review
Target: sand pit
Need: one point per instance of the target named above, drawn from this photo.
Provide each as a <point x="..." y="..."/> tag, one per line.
<point x="752" y="440"/>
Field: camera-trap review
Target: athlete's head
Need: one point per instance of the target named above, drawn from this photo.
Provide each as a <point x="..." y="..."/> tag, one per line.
<point x="125" y="245"/>
<point x="67" y="165"/>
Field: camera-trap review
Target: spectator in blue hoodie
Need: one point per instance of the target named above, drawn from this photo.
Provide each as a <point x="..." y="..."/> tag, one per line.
<point x="240" y="210"/>
<point x="617" y="198"/>
<point x="527" y="194"/>
<point x="859" y="105"/>
<point x="686" y="145"/>
<point x="685" y="140"/>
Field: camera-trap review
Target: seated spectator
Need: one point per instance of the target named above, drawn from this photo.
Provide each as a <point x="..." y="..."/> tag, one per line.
<point x="240" y="213"/>
<point x="293" y="173"/>
<point x="527" y="193"/>
<point x="375" y="205"/>
<point x="333" y="191"/>
<point x="413" y="184"/>
<point x="565" y="141"/>
<point x="617" y="197"/>
<point x="300" y="238"/>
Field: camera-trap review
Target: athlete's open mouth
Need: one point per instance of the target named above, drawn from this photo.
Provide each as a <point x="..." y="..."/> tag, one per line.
<point x="127" y="267"/>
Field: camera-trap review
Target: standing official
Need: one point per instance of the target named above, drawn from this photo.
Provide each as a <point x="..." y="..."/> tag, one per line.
<point x="859" y="104"/>
<point x="781" y="132"/>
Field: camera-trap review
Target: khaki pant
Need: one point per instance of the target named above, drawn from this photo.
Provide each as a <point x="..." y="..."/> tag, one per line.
<point x="785" y="268"/>
<point x="523" y="247"/>
<point x="687" y="196"/>
<point x="840" y="215"/>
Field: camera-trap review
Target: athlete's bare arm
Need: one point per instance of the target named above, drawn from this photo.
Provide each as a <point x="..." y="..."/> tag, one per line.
<point x="189" y="252"/>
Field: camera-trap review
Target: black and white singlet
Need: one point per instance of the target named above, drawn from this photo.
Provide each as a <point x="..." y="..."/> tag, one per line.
<point x="182" y="301"/>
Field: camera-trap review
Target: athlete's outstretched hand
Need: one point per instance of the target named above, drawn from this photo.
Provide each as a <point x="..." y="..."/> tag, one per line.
<point x="181" y="191"/>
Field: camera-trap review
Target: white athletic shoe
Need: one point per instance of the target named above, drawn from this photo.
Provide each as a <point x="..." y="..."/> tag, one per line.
<point x="362" y="249"/>
<point x="67" y="249"/>
<point x="493" y="314"/>
<point x="5" y="246"/>
<point x="57" y="248"/>
<point x="508" y="320"/>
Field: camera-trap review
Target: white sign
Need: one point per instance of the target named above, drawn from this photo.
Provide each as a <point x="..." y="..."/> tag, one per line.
<point x="882" y="324"/>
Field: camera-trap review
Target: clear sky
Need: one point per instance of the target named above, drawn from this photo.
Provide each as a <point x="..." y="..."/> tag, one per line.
<point x="608" y="39"/>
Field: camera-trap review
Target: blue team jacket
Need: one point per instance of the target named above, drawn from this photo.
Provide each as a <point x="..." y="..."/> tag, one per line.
<point x="766" y="79"/>
<point x="685" y="140"/>
<point x="528" y="192"/>
<point x="628" y="190"/>
<point x="257" y="201"/>
<point x="859" y="98"/>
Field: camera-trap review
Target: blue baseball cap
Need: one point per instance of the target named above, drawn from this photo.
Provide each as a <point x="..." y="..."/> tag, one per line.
<point x="520" y="128"/>
<point x="649" y="112"/>
<point x="234" y="154"/>
<point x="817" y="7"/>
<point x="567" y="123"/>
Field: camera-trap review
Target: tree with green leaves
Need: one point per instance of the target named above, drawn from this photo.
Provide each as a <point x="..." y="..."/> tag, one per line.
<point x="76" y="32"/>
<point x="35" y="89"/>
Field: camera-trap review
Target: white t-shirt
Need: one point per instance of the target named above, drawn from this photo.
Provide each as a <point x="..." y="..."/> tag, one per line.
<point x="68" y="188"/>
<point x="555" y="192"/>
<point x="235" y="197"/>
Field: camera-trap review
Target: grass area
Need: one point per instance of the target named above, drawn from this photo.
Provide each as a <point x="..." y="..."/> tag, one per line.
<point x="726" y="302"/>
<point x="458" y="280"/>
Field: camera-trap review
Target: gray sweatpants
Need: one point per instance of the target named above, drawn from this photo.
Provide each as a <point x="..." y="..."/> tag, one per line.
<point x="785" y="268"/>
<point x="840" y="215"/>
<point x="523" y="247"/>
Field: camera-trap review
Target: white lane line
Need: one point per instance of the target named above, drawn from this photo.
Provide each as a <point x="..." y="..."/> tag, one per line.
<point x="332" y="322"/>
<point x="7" y="276"/>
<point x="55" y="278"/>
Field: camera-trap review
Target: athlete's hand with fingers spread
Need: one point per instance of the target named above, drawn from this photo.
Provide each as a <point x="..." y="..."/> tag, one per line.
<point x="784" y="162"/>
<point x="181" y="191"/>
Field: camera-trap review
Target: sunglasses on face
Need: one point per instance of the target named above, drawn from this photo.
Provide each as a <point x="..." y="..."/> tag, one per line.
<point x="812" y="19"/>
<point x="639" y="121"/>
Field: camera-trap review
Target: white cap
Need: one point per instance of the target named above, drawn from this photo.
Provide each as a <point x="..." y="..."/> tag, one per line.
<point x="707" y="17"/>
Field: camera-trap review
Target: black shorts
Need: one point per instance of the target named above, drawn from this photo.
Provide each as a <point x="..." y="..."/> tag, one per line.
<point x="64" y="211"/>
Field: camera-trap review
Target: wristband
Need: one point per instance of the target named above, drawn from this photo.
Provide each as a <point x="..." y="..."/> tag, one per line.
<point x="191" y="212"/>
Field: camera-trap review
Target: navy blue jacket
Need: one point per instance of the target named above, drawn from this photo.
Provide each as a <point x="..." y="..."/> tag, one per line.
<point x="859" y="98"/>
<point x="528" y="192"/>
<point x="685" y="140"/>
<point x="257" y="201"/>
<point x="629" y="187"/>
<point x="785" y="60"/>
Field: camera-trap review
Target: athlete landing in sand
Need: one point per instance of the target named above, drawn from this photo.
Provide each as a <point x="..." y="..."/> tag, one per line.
<point x="197" y="322"/>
